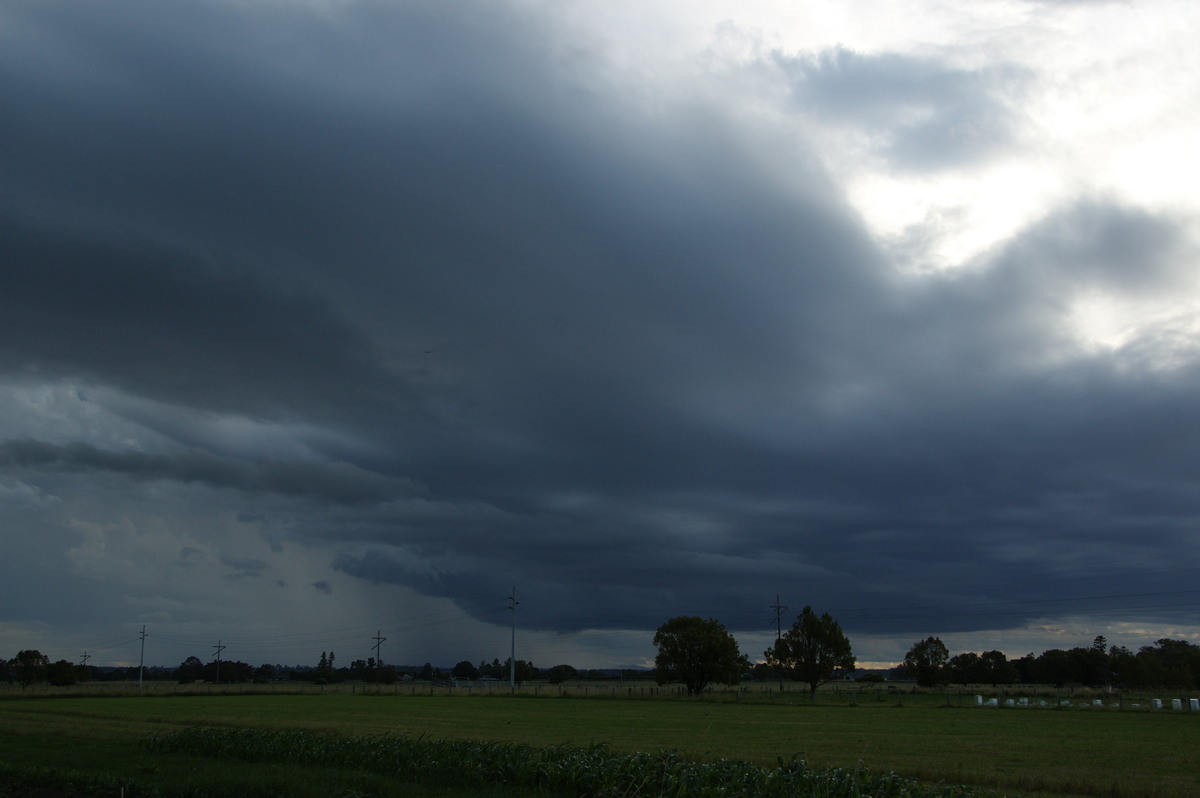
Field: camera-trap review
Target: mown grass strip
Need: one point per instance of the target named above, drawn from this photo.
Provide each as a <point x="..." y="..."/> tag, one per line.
<point x="559" y="770"/>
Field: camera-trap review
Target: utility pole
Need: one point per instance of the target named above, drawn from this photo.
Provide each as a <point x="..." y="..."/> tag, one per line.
<point x="378" y="642"/>
<point x="83" y="660"/>
<point x="142" y="658"/>
<point x="779" y="611"/>
<point x="219" y="648"/>
<point x="512" y="656"/>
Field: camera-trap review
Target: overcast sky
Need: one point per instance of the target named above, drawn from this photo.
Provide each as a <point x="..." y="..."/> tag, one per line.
<point x="328" y="319"/>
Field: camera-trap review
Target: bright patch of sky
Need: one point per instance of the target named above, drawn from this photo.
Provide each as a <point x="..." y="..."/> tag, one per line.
<point x="1103" y="102"/>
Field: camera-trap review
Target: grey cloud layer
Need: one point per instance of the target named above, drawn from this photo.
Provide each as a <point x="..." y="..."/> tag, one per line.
<point x="631" y="368"/>
<point x="922" y="113"/>
<point x="339" y="483"/>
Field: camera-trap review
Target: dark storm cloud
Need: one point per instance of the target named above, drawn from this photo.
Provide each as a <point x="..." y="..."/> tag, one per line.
<point x="635" y="370"/>
<point x="921" y="113"/>
<point x="964" y="454"/>
<point x="339" y="483"/>
<point x="160" y="324"/>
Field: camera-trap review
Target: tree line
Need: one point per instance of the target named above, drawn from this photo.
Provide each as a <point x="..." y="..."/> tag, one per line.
<point x="31" y="667"/>
<point x="695" y="653"/>
<point x="1167" y="663"/>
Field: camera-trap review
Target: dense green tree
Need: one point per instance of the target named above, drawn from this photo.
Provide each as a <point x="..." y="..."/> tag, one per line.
<point x="30" y="666"/>
<point x="1053" y="666"/>
<point x="1123" y="666"/>
<point x="696" y="652"/>
<point x="62" y="673"/>
<point x="561" y="673"/>
<point x="926" y="662"/>
<point x="964" y="668"/>
<point x="990" y="667"/>
<point x="465" y="670"/>
<point x="325" y="673"/>
<point x="1087" y="666"/>
<point x="190" y="670"/>
<point x="524" y="672"/>
<point x="995" y="669"/>
<point x="1024" y="667"/>
<point x="1169" y="663"/>
<point x="813" y="651"/>
<point x="228" y="671"/>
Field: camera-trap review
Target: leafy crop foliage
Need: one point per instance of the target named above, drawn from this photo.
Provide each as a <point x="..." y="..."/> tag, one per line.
<point x="559" y="770"/>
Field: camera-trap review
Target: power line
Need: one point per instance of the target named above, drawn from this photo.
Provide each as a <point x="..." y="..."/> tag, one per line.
<point x="142" y="657"/>
<point x="218" y="649"/>
<point x="780" y="609"/>
<point x="512" y="657"/>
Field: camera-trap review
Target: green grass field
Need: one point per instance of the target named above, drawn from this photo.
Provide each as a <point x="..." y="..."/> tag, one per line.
<point x="1008" y="751"/>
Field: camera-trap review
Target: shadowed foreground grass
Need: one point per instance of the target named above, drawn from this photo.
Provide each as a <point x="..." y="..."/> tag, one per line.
<point x="1032" y="752"/>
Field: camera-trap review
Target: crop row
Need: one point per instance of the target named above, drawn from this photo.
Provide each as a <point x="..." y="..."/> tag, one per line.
<point x="595" y="772"/>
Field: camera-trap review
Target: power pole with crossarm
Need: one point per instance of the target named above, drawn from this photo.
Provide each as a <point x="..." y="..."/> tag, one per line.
<point x="780" y="609"/>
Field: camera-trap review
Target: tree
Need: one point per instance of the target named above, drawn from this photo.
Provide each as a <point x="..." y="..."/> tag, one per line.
<point x="227" y="671"/>
<point x="1170" y="663"/>
<point x="465" y="670"/>
<point x="813" y="651"/>
<point x="324" y="673"/>
<point x="964" y="668"/>
<point x="190" y="670"/>
<point x="1124" y="666"/>
<point x="561" y="673"/>
<point x="995" y="669"/>
<point x="695" y="652"/>
<point x="524" y="671"/>
<point x="926" y="661"/>
<point x="1103" y="660"/>
<point x="30" y="666"/>
<point x="62" y="673"/>
<point x="1052" y="666"/>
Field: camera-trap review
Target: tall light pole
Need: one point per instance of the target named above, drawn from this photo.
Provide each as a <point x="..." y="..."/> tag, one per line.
<point x="512" y="655"/>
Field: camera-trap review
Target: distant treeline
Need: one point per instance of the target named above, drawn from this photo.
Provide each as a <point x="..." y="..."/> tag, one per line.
<point x="32" y="667"/>
<point x="1166" y="664"/>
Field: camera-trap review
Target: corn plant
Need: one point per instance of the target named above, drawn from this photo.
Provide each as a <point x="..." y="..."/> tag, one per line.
<point x="594" y="772"/>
